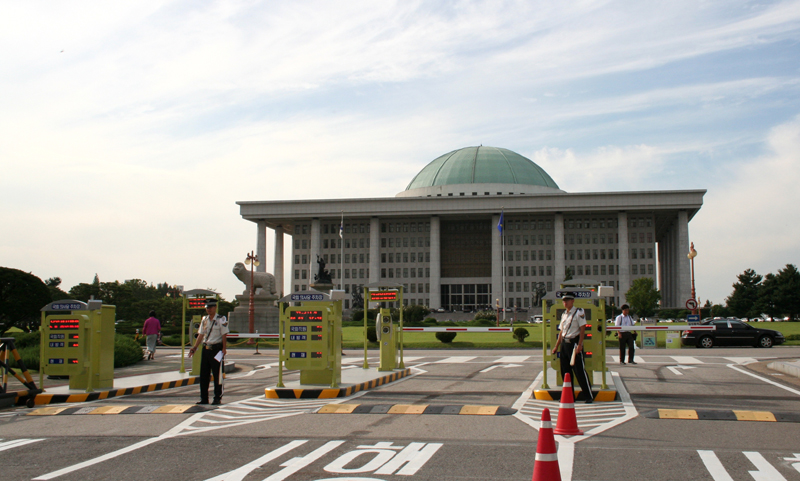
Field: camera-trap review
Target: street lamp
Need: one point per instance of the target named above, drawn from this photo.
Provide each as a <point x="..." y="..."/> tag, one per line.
<point x="691" y="255"/>
<point x="252" y="261"/>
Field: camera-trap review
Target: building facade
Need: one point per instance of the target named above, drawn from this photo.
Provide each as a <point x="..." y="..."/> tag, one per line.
<point x="480" y="226"/>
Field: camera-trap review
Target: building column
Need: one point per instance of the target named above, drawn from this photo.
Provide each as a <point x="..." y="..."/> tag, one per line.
<point x="684" y="269"/>
<point x="624" y="258"/>
<point x="277" y="261"/>
<point x="498" y="289"/>
<point x="435" y="280"/>
<point x="558" y="246"/>
<point x="314" y="249"/>
<point x="660" y="267"/>
<point x="374" y="250"/>
<point x="261" y="246"/>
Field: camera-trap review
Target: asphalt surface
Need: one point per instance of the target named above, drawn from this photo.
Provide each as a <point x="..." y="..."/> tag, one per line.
<point x="252" y="438"/>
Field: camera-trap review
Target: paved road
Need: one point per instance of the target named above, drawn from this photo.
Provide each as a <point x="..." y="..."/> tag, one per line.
<point x="252" y="438"/>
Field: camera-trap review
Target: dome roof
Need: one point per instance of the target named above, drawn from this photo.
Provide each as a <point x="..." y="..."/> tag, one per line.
<point x="489" y="166"/>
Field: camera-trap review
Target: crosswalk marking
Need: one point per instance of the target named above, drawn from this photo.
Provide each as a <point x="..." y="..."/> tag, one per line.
<point x="513" y="359"/>
<point x="455" y="360"/>
<point x="686" y="360"/>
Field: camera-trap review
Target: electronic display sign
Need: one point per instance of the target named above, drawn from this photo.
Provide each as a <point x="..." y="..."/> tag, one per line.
<point x="305" y="316"/>
<point x="383" y="296"/>
<point x="64" y="324"/>
<point x="197" y="303"/>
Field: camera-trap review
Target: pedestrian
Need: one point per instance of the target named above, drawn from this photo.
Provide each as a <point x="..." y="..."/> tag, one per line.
<point x="212" y="340"/>
<point x="151" y="329"/>
<point x="625" y="337"/>
<point x="570" y="339"/>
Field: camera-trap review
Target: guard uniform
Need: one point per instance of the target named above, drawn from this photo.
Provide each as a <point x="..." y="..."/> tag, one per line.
<point x="213" y="330"/>
<point x="625" y="338"/>
<point x="572" y="321"/>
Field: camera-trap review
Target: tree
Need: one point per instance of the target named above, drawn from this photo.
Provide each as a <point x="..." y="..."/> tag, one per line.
<point x="787" y="299"/>
<point x="767" y="295"/>
<point x="743" y="301"/>
<point x="56" y="293"/>
<point x="643" y="297"/>
<point x="22" y="296"/>
<point x="567" y="274"/>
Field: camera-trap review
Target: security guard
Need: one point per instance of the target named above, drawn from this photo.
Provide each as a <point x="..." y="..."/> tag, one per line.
<point x="212" y="337"/>
<point x="570" y="338"/>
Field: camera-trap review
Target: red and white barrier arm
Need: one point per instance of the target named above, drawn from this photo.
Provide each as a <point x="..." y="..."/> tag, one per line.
<point x="458" y="329"/>
<point x="247" y="335"/>
<point x="661" y="328"/>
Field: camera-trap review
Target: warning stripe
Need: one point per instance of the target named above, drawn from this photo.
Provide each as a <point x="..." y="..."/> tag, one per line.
<point x="464" y="410"/>
<point x="43" y="399"/>
<point x="119" y="409"/>
<point x="724" y="415"/>
<point x="330" y="393"/>
<point x="606" y="395"/>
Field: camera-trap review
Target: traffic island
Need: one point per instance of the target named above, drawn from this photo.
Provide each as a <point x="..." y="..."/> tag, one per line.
<point x="553" y="391"/>
<point x="353" y="380"/>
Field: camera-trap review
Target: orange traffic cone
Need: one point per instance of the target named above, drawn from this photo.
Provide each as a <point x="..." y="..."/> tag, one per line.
<point x="545" y="468"/>
<point x="567" y="423"/>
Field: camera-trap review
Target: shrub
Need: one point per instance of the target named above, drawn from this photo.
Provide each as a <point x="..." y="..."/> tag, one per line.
<point x="488" y="315"/>
<point x="430" y="320"/>
<point x="520" y="334"/>
<point x="372" y="336"/>
<point x="483" y="323"/>
<point x="29" y="355"/>
<point x="126" y="351"/>
<point x="26" y="339"/>
<point x="446" y="337"/>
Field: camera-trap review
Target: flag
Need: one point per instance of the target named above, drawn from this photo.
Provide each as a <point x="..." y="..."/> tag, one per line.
<point x="341" y="230"/>
<point x="500" y="223"/>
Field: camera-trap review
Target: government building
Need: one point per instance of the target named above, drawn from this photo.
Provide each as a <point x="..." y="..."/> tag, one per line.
<point x="480" y="226"/>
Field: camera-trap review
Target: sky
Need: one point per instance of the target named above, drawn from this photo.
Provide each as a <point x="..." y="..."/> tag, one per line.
<point x="128" y="130"/>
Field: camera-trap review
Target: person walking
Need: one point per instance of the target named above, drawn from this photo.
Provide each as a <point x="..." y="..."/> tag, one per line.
<point x="212" y="337"/>
<point x="625" y="337"/>
<point x="570" y="339"/>
<point x="151" y="328"/>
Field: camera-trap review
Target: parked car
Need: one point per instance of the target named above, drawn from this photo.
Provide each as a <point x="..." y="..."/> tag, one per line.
<point x="731" y="332"/>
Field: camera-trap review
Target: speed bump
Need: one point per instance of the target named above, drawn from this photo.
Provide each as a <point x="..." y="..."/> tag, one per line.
<point x="724" y="415"/>
<point x="118" y="409"/>
<point x="467" y="410"/>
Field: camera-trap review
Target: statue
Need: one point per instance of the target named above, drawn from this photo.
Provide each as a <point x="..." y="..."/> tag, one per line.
<point x="323" y="276"/>
<point x="358" y="299"/>
<point x="263" y="283"/>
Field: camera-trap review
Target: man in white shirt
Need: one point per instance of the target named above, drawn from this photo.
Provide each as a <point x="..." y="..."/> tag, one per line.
<point x="212" y="336"/>
<point x="625" y="337"/>
<point x="570" y="338"/>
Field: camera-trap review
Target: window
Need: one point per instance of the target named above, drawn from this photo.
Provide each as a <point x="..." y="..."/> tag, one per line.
<point x="634" y="269"/>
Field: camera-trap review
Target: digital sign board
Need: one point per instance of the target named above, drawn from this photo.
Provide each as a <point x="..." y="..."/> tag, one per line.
<point x="305" y="316"/>
<point x="383" y="296"/>
<point x="64" y="324"/>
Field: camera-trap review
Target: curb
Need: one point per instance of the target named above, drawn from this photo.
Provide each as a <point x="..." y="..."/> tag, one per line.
<point x="415" y="409"/>
<point x="606" y="395"/>
<point x="44" y="399"/>
<point x="330" y="393"/>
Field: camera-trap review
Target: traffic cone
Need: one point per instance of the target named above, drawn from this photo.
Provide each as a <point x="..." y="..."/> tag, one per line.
<point x="567" y="423"/>
<point x="545" y="468"/>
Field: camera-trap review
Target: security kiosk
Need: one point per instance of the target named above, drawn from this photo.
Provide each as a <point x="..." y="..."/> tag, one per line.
<point x="388" y="295"/>
<point x="590" y="298"/>
<point x="193" y="300"/>
<point x="388" y="338"/>
<point x="311" y="337"/>
<point x="78" y="341"/>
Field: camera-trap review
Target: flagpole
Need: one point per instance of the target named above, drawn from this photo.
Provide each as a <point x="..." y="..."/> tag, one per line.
<point x="341" y="247"/>
<point x="501" y="226"/>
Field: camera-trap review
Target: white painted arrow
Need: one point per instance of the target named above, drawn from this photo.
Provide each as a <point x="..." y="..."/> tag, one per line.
<point x="501" y="365"/>
<point x="675" y="369"/>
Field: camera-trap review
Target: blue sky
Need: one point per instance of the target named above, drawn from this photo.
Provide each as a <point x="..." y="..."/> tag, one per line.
<point x="129" y="130"/>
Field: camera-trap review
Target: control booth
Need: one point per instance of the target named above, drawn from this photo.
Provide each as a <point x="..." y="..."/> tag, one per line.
<point x="78" y="341"/>
<point x="310" y="326"/>
<point x="590" y="298"/>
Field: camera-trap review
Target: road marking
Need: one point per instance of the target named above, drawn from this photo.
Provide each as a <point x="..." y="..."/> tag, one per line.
<point x="17" y="443"/>
<point x="686" y="360"/>
<point x="242" y="472"/>
<point x="454" y="360"/>
<point x="675" y="370"/>
<point x="296" y="464"/>
<point x="768" y="381"/>
<point x="504" y="366"/>
<point x="510" y="359"/>
<point x="741" y="360"/>
<point x="766" y="471"/>
<point x="714" y="466"/>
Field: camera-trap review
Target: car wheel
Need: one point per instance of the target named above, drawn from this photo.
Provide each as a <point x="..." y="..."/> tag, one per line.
<point x="706" y="342"/>
<point x="765" y="341"/>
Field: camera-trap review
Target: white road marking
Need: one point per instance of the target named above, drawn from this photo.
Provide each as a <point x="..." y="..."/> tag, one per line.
<point x="296" y="464"/>
<point x="741" y="360"/>
<point x="675" y="370"/>
<point x="714" y="466"/>
<point x="511" y="359"/>
<point x="17" y="443"/>
<point x="686" y="360"/>
<point x="766" y="471"/>
<point x="241" y="472"/>
<point x="504" y="366"/>
<point x="454" y="360"/>
<point x="769" y="381"/>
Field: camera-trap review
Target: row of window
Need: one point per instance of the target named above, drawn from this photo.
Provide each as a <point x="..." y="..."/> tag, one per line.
<point x="405" y="257"/>
<point x="405" y="227"/>
<point x="640" y="237"/>
<point x="405" y="272"/>
<point x="609" y="223"/>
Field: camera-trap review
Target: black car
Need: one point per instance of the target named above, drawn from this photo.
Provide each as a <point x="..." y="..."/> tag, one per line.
<point x="731" y="332"/>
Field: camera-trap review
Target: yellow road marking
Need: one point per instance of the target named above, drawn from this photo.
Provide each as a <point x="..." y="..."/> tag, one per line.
<point x="754" y="416"/>
<point x="677" y="414"/>
<point x="479" y="410"/>
<point x="338" y="408"/>
<point x="408" y="409"/>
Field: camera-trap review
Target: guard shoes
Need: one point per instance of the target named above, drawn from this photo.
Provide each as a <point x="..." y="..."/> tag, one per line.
<point x="216" y="402"/>
<point x="202" y="401"/>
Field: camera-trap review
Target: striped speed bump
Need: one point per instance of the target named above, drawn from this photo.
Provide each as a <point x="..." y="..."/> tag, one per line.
<point x="44" y="398"/>
<point x="114" y="409"/>
<point x="330" y="393"/>
<point x="605" y="395"/>
<point x="415" y="409"/>
<point x="732" y="415"/>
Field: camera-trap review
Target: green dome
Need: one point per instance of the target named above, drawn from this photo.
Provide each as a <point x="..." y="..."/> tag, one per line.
<point x="483" y="165"/>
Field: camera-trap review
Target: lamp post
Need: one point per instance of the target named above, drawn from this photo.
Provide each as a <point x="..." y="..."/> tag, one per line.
<point x="691" y="255"/>
<point x="252" y="261"/>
